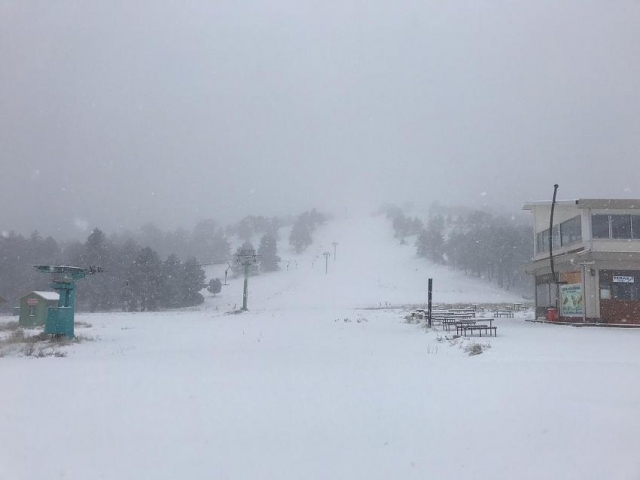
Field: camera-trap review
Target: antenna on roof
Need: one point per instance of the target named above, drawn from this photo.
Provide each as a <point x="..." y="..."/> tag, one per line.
<point x="553" y="271"/>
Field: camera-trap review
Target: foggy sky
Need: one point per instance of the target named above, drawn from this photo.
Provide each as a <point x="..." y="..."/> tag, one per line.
<point x="118" y="113"/>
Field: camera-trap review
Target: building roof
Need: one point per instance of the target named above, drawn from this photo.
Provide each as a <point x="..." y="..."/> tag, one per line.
<point x="598" y="203"/>
<point x="45" y="295"/>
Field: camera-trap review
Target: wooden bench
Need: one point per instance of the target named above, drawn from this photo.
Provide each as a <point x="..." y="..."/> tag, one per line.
<point x="503" y="313"/>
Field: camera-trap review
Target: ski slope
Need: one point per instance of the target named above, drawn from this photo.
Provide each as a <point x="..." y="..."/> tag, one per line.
<point x="371" y="269"/>
<point x="309" y="385"/>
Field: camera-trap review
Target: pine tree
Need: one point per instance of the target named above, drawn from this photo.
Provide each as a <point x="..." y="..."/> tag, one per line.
<point x="122" y="261"/>
<point x="300" y="237"/>
<point x="215" y="286"/>
<point x="430" y="242"/>
<point x="95" y="292"/>
<point x="145" y="280"/>
<point x="268" y="252"/>
<point x="172" y="272"/>
<point x="193" y="280"/>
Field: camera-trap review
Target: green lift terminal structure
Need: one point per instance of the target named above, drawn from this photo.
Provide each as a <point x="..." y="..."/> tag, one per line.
<point x="60" y="319"/>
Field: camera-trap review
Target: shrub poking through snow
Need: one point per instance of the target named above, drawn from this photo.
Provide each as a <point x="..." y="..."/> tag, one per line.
<point x="39" y="345"/>
<point x="9" y="326"/>
<point x="475" y="348"/>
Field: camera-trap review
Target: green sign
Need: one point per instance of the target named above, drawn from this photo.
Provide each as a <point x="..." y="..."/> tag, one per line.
<point x="572" y="300"/>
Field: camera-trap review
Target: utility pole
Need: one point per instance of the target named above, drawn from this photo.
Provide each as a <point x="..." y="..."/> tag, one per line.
<point x="326" y="262"/>
<point x="551" y="264"/>
<point x="246" y="257"/>
<point x="335" y="244"/>
<point x="429" y="297"/>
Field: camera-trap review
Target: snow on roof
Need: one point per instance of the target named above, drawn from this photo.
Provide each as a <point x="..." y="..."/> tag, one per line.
<point x="48" y="295"/>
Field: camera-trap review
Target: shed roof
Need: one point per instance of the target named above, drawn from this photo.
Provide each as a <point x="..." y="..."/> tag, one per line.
<point x="44" y="295"/>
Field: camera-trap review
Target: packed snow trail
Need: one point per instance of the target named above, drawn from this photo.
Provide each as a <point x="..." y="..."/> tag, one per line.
<point x="371" y="269"/>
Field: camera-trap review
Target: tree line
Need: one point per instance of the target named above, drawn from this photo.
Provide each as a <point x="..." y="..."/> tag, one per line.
<point x="135" y="278"/>
<point x="478" y="243"/>
<point x="150" y="269"/>
<point x="301" y="236"/>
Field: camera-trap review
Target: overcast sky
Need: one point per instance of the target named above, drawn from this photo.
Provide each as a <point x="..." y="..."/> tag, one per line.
<point x="118" y="113"/>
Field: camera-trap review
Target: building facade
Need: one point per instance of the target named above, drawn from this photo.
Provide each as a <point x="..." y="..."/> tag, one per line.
<point x="34" y="306"/>
<point x="596" y="255"/>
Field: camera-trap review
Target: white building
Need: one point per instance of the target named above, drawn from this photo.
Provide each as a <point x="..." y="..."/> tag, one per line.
<point x="597" y="237"/>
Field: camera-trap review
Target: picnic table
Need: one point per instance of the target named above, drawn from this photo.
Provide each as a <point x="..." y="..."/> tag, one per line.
<point x="463" y="329"/>
<point x="464" y="311"/>
<point x="503" y="313"/>
<point x="447" y="323"/>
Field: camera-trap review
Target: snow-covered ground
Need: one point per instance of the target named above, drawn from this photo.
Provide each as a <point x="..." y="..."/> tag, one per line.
<point x="311" y="385"/>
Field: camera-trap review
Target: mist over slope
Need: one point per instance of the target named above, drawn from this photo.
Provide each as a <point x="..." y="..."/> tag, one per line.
<point x="371" y="269"/>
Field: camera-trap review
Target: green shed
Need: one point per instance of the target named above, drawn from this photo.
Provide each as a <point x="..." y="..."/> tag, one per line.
<point x="34" y="306"/>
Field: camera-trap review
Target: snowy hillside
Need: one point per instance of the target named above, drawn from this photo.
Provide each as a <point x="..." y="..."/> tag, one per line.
<point x="371" y="269"/>
<point x="307" y="386"/>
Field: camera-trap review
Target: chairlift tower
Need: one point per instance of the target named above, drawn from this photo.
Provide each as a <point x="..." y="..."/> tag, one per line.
<point x="326" y="262"/>
<point x="246" y="258"/>
<point x="60" y="319"/>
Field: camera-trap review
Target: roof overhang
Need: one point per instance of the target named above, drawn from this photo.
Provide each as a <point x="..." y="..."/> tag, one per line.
<point x="572" y="261"/>
<point x="594" y="203"/>
<point x="531" y="205"/>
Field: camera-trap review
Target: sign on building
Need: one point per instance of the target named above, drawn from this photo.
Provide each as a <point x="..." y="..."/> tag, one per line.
<point x="623" y="279"/>
<point x="572" y="300"/>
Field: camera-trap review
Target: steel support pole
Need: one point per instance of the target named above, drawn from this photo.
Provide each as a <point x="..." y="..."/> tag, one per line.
<point x="429" y="297"/>
<point x="245" y="293"/>
<point x="584" y="294"/>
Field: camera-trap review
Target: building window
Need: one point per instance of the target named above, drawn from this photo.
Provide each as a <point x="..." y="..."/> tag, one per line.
<point x="542" y="241"/>
<point x="556" y="236"/>
<point x="624" y="227"/>
<point x="571" y="231"/>
<point x="600" y="226"/>
<point x="635" y="227"/>
<point x="626" y="291"/>
<point x="564" y="234"/>
<point x="621" y="226"/>
<point x="621" y="285"/>
<point x="546" y="295"/>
